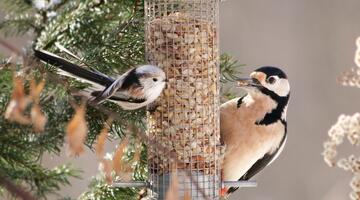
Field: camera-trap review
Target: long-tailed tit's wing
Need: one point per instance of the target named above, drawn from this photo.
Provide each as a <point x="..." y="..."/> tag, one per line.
<point x="126" y="87"/>
<point x="119" y="97"/>
<point x="108" y="91"/>
<point x="74" y="70"/>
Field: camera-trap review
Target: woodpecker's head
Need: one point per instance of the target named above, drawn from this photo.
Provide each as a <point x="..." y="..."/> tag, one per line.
<point x="270" y="82"/>
<point x="267" y="80"/>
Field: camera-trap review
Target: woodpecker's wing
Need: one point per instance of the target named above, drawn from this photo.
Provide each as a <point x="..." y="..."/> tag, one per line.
<point x="73" y="70"/>
<point x="261" y="163"/>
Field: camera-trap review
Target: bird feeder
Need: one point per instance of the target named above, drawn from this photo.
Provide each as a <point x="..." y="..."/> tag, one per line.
<point x="182" y="38"/>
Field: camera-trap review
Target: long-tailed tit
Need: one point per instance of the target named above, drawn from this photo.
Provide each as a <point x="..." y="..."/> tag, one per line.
<point x="253" y="127"/>
<point x="134" y="89"/>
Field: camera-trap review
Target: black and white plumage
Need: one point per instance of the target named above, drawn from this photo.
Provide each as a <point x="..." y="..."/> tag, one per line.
<point x="254" y="127"/>
<point x="136" y="88"/>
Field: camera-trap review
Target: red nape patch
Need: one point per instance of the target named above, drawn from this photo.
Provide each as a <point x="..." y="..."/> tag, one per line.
<point x="223" y="191"/>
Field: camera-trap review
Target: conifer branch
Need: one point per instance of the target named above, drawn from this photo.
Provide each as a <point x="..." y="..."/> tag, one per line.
<point x="15" y="190"/>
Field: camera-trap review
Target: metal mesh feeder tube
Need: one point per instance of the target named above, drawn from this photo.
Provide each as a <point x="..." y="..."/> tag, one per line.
<point x="182" y="39"/>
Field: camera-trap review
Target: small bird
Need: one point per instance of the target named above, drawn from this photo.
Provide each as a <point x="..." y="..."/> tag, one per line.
<point x="136" y="88"/>
<point x="253" y="127"/>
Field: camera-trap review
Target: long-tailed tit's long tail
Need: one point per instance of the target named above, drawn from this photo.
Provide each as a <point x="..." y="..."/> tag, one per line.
<point x="134" y="89"/>
<point x="73" y="70"/>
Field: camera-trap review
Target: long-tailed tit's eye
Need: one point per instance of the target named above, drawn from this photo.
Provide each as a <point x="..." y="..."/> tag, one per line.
<point x="271" y="80"/>
<point x="155" y="79"/>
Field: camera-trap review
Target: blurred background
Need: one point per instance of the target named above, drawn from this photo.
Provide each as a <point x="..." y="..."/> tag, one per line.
<point x="314" y="42"/>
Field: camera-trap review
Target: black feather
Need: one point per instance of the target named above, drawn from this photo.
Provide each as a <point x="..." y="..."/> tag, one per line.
<point x="72" y="68"/>
<point x="240" y="101"/>
<point x="272" y="71"/>
<point x="132" y="79"/>
<point x="275" y="114"/>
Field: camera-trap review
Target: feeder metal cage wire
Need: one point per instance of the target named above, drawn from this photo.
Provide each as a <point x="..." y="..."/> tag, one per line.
<point x="182" y="38"/>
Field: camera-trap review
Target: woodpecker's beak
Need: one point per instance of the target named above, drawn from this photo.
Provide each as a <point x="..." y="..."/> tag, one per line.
<point x="248" y="82"/>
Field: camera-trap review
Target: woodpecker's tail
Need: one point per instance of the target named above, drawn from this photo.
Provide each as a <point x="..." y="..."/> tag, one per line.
<point x="72" y="70"/>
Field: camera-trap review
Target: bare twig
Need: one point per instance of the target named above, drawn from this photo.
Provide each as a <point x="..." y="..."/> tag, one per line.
<point x="15" y="190"/>
<point x="10" y="47"/>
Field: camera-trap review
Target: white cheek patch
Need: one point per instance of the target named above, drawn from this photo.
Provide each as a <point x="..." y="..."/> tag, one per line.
<point x="153" y="90"/>
<point x="281" y="87"/>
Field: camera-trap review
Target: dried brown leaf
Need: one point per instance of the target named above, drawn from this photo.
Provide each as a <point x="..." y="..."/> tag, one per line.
<point x="107" y="169"/>
<point x="173" y="191"/>
<point x="38" y="119"/>
<point x="122" y="168"/>
<point x="35" y="89"/>
<point x="19" y="92"/>
<point x="19" y="101"/>
<point x="187" y="196"/>
<point x="76" y="131"/>
<point x="101" y="139"/>
<point x="118" y="163"/>
<point x="99" y="148"/>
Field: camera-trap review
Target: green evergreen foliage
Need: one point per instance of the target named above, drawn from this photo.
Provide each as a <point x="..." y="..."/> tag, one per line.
<point x="108" y="35"/>
<point x="21" y="149"/>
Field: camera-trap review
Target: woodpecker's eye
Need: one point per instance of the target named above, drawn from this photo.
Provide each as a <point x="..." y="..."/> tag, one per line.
<point x="155" y="79"/>
<point x="271" y="80"/>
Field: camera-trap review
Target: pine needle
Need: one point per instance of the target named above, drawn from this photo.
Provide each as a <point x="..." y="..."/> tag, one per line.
<point x="76" y="131"/>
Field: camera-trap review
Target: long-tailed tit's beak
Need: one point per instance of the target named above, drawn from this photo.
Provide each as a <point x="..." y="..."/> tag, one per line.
<point x="248" y="82"/>
<point x="166" y="80"/>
